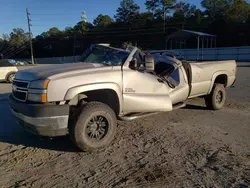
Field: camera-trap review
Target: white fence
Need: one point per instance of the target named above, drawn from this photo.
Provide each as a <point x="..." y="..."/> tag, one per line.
<point x="231" y="53"/>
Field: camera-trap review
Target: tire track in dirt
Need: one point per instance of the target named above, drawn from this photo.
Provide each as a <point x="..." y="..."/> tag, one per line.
<point x="126" y="172"/>
<point x="112" y="168"/>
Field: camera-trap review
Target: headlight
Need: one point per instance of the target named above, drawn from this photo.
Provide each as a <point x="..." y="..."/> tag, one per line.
<point x="37" y="91"/>
<point x="39" y="84"/>
<point x="37" y="97"/>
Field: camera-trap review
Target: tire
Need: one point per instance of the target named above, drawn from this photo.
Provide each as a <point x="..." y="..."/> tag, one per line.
<point x="10" y="77"/>
<point x="216" y="99"/>
<point x="91" y="120"/>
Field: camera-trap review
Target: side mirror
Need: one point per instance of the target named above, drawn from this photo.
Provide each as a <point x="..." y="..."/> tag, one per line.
<point x="149" y="63"/>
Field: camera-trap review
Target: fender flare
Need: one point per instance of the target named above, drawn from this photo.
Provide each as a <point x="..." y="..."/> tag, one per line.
<point x="214" y="77"/>
<point x="72" y="92"/>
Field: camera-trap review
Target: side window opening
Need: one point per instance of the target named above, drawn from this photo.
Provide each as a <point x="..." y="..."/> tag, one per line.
<point x="174" y="77"/>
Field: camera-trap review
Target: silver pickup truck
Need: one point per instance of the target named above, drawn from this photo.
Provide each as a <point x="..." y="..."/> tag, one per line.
<point x="85" y="99"/>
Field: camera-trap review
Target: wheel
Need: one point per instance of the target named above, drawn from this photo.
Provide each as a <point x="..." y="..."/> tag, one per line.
<point x="94" y="128"/>
<point x="216" y="99"/>
<point x="10" y="77"/>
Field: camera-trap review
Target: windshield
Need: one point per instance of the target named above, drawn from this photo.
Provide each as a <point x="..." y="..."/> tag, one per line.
<point x="104" y="55"/>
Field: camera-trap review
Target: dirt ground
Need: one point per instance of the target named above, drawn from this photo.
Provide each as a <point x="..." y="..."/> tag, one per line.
<point x="190" y="147"/>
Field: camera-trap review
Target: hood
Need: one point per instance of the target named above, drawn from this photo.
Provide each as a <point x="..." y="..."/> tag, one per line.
<point x="51" y="70"/>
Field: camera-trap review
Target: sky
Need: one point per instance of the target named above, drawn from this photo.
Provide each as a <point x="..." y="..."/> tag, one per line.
<point x="45" y="14"/>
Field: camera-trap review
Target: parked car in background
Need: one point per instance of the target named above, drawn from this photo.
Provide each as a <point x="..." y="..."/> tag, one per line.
<point x="7" y="70"/>
<point x="9" y="67"/>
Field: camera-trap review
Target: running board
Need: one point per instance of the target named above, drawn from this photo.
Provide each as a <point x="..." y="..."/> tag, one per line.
<point x="135" y="116"/>
<point x="179" y="105"/>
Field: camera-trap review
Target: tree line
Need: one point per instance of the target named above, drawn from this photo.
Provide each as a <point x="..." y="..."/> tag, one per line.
<point x="228" y="19"/>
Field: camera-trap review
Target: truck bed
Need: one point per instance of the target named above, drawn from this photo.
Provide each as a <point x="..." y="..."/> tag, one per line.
<point x="201" y="75"/>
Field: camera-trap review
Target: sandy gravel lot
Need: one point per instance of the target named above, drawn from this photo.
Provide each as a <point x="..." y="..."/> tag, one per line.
<point x="190" y="147"/>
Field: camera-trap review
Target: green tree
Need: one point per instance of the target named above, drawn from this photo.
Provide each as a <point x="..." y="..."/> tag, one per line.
<point x="145" y="17"/>
<point x="4" y="42"/>
<point x="68" y="32"/>
<point x="216" y="8"/>
<point x="82" y="27"/>
<point x="1" y="45"/>
<point x="54" y="31"/>
<point x="18" y="37"/>
<point x="160" y="7"/>
<point x="198" y="16"/>
<point x="102" y="20"/>
<point x="127" y="11"/>
<point x="239" y="11"/>
<point x="184" y="10"/>
<point x="14" y="42"/>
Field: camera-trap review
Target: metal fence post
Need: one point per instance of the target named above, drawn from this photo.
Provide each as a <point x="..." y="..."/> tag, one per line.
<point x="217" y="54"/>
<point x="237" y="51"/>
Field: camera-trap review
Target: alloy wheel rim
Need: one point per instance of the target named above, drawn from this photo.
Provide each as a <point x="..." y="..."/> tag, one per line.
<point x="219" y="97"/>
<point x="97" y="128"/>
<point x="11" y="78"/>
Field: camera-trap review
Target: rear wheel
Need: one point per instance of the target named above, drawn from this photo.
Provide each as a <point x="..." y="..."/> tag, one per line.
<point x="95" y="127"/>
<point x="216" y="99"/>
<point x="10" y="77"/>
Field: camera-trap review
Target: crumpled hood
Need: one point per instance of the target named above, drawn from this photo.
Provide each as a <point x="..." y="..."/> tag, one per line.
<point x="51" y="70"/>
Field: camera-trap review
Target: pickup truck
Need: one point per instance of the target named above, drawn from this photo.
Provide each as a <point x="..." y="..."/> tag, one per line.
<point x="86" y="99"/>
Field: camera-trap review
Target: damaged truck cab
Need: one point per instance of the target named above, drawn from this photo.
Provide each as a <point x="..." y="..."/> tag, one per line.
<point x="85" y="99"/>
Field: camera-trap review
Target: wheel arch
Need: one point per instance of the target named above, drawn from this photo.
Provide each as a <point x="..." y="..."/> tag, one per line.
<point x="220" y="77"/>
<point x="108" y="93"/>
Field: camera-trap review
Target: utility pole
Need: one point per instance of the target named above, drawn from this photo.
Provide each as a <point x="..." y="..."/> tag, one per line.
<point x="30" y="37"/>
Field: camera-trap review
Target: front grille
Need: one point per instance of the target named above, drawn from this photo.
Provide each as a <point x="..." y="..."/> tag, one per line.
<point x="20" y="84"/>
<point x="20" y="95"/>
<point x="20" y="90"/>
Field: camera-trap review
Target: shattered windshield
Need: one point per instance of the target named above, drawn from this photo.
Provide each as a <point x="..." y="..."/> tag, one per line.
<point x="105" y="55"/>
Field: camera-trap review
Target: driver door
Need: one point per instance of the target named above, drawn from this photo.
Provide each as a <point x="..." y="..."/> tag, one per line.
<point x="144" y="92"/>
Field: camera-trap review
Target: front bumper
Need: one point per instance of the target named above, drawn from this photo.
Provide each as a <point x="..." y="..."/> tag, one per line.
<point x="41" y="119"/>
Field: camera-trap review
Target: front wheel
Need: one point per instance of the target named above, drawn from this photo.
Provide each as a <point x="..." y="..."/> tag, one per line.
<point x="10" y="77"/>
<point x="216" y="99"/>
<point x="95" y="127"/>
